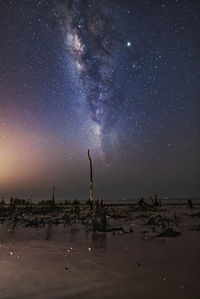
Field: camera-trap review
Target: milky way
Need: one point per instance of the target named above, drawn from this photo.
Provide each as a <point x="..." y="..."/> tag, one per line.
<point x="92" y="39"/>
<point x="89" y="37"/>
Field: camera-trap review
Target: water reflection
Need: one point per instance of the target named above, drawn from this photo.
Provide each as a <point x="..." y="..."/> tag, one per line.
<point x="98" y="241"/>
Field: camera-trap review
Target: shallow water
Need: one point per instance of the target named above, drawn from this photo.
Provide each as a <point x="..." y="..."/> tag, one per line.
<point x="72" y="263"/>
<point x="68" y="262"/>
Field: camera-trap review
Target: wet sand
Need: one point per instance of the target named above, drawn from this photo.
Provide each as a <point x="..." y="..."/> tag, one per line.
<point x="74" y="263"/>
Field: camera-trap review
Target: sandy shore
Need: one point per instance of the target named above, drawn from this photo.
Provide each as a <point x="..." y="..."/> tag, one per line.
<point x="75" y="263"/>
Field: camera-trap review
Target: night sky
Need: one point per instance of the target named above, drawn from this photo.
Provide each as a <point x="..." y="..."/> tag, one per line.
<point x="118" y="77"/>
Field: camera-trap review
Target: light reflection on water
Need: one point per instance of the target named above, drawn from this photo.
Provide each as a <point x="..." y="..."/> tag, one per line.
<point x="98" y="241"/>
<point x="91" y="241"/>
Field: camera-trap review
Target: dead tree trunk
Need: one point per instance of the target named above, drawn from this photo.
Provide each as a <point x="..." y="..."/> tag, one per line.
<point x="53" y="194"/>
<point x="91" y="179"/>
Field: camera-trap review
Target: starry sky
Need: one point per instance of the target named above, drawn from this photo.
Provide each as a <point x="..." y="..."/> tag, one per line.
<point x="120" y="78"/>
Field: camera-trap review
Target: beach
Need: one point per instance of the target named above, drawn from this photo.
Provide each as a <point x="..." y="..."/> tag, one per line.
<point x="130" y="260"/>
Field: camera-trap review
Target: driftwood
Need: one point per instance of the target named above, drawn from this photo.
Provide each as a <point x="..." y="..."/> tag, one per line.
<point x="53" y="194"/>
<point x="155" y="201"/>
<point x="158" y="220"/>
<point x="143" y="205"/>
<point x="162" y="220"/>
<point x="115" y="229"/>
<point x="195" y="215"/>
<point x="169" y="233"/>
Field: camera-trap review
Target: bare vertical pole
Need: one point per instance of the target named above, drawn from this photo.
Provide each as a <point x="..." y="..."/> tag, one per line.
<point x="91" y="178"/>
<point x="53" y="194"/>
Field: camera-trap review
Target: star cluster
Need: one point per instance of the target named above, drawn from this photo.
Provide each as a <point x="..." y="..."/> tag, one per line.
<point x="118" y="77"/>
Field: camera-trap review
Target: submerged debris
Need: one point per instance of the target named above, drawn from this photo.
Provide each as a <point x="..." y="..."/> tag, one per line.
<point x="116" y="229"/>
<point x="195" y="215"/>
<point x="162" y="220"/>
<point x="195" y="228"/>
<point x="103" y="217"/>
<point x="158" y="220"/>
<point x="138" y="264"/>
<point x="169" y="233"/>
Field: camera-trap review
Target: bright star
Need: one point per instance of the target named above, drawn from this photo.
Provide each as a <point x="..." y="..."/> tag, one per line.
<point x="128" y="44"/>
